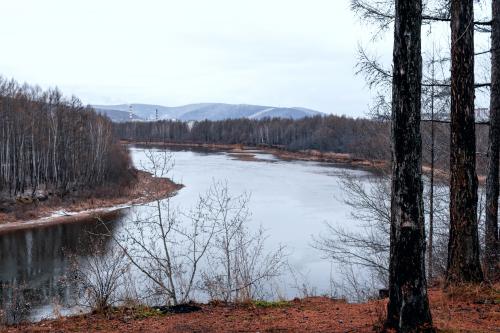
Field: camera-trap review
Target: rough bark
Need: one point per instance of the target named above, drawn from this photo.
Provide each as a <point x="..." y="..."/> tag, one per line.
<point x="463" y="248"/>
<point x="491" y="232"/>
<point x="408" y="307"/>
<point x="430" y="245"/>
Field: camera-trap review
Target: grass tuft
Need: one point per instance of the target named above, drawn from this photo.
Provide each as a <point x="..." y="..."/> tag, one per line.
<point x="267" y="304"/>
<point x="143" y="312"/>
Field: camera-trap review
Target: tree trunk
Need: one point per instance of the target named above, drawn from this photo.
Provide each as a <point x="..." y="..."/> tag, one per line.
<point x="408" y="308"/>
<point x="491" y="234"/>
<point x="430" y="244"/>
<point x="463" y="246"/>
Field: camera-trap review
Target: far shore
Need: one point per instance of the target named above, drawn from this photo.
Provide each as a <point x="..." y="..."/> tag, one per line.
<point x="303" y="155"/>
<point x="244" y="152"/>
<point x="144" y="189"/>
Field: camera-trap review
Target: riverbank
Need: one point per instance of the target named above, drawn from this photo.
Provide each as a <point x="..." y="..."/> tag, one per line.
<point x="102" y="203"/>
<point x="451" y="313"/>
<point x="244" y="152"/>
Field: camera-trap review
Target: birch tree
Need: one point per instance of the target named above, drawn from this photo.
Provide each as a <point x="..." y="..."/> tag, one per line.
<point x="55" y="144"/>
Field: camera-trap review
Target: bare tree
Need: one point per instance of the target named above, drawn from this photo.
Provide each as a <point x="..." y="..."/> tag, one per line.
<point x="430" y="243"/>
<point x="491" y="233"/>
<point x="166" y="246"/>
<point x="168" y="250"/>
<point x="463" y="260"/>
<point x="367" y="245"/>
<point x="238" y="262"/>
<point x="54" y="144"/>
<point x="408" y="307"/>
<point x="382" y="13"/>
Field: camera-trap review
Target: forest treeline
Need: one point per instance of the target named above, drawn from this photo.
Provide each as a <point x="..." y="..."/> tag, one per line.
<point x="52" y="143"/>
<point x="361" y="138"/>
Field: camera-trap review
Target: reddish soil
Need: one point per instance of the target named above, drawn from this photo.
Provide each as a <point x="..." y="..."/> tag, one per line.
<point x="144" y="188"/>
<point x="317" y="314"/>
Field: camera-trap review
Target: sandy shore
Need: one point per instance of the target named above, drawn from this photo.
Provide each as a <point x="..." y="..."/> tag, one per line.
<point x="145" y="189"/>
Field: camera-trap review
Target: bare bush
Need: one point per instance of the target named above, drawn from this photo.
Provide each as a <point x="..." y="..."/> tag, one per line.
<point x="209" y="248"/>
<point x="99" y="276"/>
<point x="15" y="303"/>
<point x="352" y="285"/>
<point x="238" y="264"/>
<point x="301" y="283"/>
<point x="168" y="247"/>
<point x="366" y="244"/>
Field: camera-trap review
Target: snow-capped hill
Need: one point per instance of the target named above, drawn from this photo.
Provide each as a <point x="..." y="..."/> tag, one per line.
<point x="202" y="111"/>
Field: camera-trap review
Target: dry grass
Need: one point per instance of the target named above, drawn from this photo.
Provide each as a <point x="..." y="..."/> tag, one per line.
<point x="475" y="293"/>
<point x="451" y="313"/>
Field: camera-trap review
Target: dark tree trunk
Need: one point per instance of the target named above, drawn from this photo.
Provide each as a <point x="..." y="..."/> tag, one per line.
<point x="408" y="308"/>
<point x="463" y="247"/>
<point x="430" y="245"/>
<point x="491" y="234"/>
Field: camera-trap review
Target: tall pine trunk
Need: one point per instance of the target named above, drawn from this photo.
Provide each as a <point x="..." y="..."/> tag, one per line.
<point x="463" y="247"/>
<point x="408" y="308"/>
<point x="491" y="234"/>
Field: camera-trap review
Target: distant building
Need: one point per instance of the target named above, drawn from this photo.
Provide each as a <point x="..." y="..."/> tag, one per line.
<point x="130" y="113"/>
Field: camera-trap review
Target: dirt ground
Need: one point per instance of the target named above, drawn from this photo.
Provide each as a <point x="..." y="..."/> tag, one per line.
<point x="462" y="313"/>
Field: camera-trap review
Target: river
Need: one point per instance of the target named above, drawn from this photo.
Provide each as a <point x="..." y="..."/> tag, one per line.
<point x="291" y="200"/>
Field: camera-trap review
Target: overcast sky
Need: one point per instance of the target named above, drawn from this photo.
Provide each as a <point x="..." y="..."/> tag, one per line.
<point x="270" y="52"/>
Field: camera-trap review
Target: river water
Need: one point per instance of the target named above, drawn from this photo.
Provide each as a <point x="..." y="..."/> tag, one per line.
<point x="291" y="200"/>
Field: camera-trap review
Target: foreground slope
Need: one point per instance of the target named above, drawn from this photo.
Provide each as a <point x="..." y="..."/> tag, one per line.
<point x="473" y="313"/>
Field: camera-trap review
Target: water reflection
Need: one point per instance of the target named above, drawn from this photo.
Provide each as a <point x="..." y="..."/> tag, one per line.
<point x="35" y="263"/>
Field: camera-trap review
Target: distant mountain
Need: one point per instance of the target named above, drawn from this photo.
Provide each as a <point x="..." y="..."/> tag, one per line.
<point x="117" y="115"/>
<point x="203" y="111"/>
